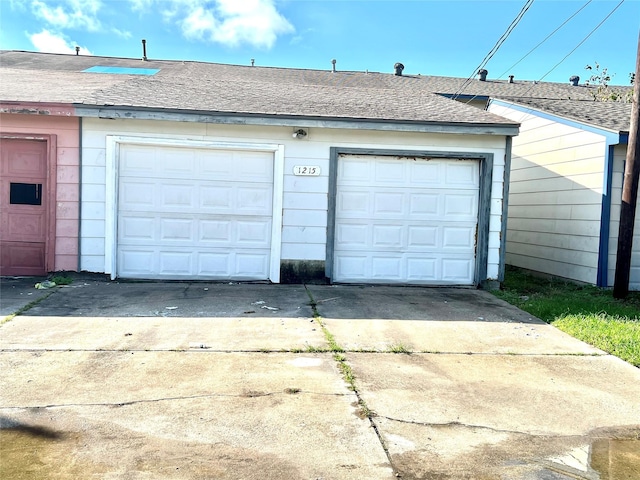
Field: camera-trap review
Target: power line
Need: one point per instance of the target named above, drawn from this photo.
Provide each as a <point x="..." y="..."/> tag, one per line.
<point x="534" y="48"/>
<point x="496" y="47"/>
<point x="546" y="38"/>
<point x="576" y="47"/>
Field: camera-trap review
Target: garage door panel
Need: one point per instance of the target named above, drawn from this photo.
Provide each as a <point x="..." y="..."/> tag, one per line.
<point x="387" y="236"/>
<point x="216" y="164"/>
<point x="458" y="237"/>
<point x="251" y="265"/>
<point x="208" y="217"/>
<point x="422" y="269"/>
<point x="390" y="172"/>
<point x="356" y="171"/>
<point x="135" y="194"/>
<point x="137" y="228"/>
<point x="175" y="263"/>
<point x="252" y="167"/>
<point x="138" y="160"/>
<point x="425" y="269"/>
<point x="422" y="237"/>
<point x="351" y="235"/>
<point x="462" y="206"/>
<point x="215" y="232"/>
<point x="253" y="233"/>
<point x="177" y="197"/>
<point x="386" y="268"/>
<point x="355" y="203"/>
<point x="216" y="198"/>
<point x="425" y="173"/>
<point x="254" y="200"/>
<point x="457" y="270"/>
<point x="424" y="204"/>
<point x="136" y="263"/>
<point x="462" y="173"/>
<point x="389" y="203"/>
<point x="351" y="267"/>
<point x="214" y="264"/>
<point x="415" y="221"/>
<point x="177" y="230"/>
<point x="176" y="162"/>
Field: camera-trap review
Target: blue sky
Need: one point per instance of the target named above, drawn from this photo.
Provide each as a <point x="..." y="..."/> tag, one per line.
<point x="430" y="37"/>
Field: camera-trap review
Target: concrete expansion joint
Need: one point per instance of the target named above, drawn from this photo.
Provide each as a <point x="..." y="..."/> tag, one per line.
<point x="27" y="307"/>
<point x="350" y="379"/>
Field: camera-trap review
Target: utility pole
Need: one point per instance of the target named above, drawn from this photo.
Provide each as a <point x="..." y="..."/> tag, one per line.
<point x="629" y="194"/>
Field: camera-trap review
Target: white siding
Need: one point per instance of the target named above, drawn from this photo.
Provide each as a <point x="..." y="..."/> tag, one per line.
<point x="619" y="156"/>
<point x="555" y="197"/>
<point x="304" y="232"/>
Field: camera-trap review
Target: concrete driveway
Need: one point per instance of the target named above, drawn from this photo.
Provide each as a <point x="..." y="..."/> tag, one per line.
<point x="254" y="381"/>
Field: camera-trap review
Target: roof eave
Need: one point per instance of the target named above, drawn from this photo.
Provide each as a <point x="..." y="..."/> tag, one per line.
<point x="235" y="118"/>
<point x="622" y="135"/>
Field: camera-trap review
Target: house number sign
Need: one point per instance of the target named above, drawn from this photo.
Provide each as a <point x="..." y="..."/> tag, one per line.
<point x="309" y="171"/>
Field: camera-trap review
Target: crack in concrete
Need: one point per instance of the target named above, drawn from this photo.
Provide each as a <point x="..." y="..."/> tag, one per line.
<point x="200" y="350"/>
<point x="469" y="425"/>
<point x="250" y="394"/>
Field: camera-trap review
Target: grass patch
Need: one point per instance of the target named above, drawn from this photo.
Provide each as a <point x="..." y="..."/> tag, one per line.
<point x="399" y="348"/>
<point x="61" y="280"/>
<point x="619" y="336"/>
<point x="586" y="312"/>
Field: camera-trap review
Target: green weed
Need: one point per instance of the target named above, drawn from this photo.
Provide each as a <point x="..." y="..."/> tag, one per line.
<point x="586" y="312"/>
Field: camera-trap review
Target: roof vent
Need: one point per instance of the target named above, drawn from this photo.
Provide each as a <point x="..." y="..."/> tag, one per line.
<point x="483" y="75"/>
<point x="144" y="50"/>
<point x="398" y="68"/>
<point x="253" y="62"/>
<point x="333" y="65"/>
<point x="574" y="80"/>
<point x="77" y="50"/>
<point x="510" y="78"/>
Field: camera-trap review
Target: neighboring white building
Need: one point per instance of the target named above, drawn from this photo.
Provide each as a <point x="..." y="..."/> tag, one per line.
<point x="566" y="186"/>
<point x="204" y="171"/>
<point x="565" y="176"/>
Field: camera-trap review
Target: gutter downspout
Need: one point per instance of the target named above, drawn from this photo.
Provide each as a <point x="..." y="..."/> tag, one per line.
<point x="505" y="207"/>
<point x="80" y="194"/>
<point x="602" y="279"/>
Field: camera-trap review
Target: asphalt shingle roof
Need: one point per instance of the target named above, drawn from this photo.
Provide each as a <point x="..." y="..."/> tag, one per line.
<point x="246" y="90"/>
<point x="231" y="89"/>
<point x="614" y="116"/>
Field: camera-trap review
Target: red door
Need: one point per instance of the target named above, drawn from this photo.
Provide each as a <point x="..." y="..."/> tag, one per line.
<point x="23" y="207"/>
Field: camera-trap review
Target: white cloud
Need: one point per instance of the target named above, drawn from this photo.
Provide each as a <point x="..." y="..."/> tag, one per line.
<point x="49" y="42"/>
<point x="228" y="22"/>
<point x="69" y="13"/>
<point x="121" y="33"/>
<point x="140" y="5"/>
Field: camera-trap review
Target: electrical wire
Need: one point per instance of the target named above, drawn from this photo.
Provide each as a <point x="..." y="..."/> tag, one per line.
<point x="576" y="47"/>
<point x="546" y="38"/>
<point x="534" y="48"/>
<point x="496" y="47"/>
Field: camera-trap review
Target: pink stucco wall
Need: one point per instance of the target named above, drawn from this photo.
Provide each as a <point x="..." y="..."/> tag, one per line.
<point x="59" y="122"/>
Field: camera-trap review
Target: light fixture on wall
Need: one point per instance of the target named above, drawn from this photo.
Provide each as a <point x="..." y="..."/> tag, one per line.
<point x="299" y="133"/>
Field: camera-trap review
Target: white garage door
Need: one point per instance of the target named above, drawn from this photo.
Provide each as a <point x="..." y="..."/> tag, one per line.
<point x="194" y="213"/>
<point x="406" y="220"/>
